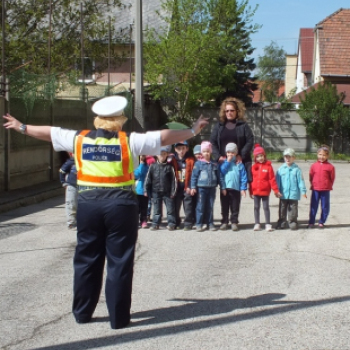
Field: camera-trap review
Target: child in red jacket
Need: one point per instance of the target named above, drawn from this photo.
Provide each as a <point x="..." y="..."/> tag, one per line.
<point x="260" y="188"/>
<point x="322" y="176"/>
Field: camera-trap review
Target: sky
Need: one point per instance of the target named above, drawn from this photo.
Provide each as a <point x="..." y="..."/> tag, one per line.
<point x="281" y="21"/>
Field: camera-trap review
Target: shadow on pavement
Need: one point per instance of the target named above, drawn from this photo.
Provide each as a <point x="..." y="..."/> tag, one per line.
<point x="196" y="308"/>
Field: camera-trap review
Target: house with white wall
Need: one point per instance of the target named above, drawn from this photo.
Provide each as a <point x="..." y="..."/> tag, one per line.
<point x="324" y="55"/>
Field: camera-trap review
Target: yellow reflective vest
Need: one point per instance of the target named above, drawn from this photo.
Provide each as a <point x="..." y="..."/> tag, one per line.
<point x="103" y="159"/>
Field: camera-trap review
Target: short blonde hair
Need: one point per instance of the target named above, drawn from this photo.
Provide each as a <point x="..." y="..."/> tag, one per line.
<point x="110" y="123"/>
<point x="236" y="103"/>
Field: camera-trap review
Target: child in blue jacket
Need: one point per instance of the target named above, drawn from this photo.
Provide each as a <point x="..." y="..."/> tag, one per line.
<point x="233" y="183"/>
<point x="291" y="184"/>
<point x="140" y="175"/>
<point x="204" y="180"/>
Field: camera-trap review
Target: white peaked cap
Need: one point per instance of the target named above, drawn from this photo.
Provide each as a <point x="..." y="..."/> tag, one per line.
<point x="111" y="106"/>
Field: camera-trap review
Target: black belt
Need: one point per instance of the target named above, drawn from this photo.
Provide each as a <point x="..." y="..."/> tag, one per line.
<point x="87" y="188"/>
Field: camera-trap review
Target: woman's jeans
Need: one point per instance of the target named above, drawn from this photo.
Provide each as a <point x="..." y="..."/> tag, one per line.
<point x="205" y="206"/>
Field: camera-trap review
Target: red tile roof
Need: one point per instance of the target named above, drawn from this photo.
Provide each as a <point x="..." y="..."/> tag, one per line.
<point x="258" y="97"/>
<point x="334" y="43"/>
<point x="341" y="88"/>
<point x="306" y="47"/>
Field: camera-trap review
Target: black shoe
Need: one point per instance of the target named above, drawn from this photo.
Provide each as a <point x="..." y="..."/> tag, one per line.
<point x="83" y="320"/>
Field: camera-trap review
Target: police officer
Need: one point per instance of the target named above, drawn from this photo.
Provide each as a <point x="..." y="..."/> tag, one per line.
<point x="107" y="216"/>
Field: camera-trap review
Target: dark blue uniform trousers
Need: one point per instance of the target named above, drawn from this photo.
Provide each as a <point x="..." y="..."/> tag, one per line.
<point x="107" y="224"/>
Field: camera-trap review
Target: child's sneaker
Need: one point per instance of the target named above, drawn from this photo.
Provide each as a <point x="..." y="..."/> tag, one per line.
<point x="224" y="227"/>
<point x="154" y="227"/>
<point x="293" y="226"/>
<point x="213" y="228"/>
<point x="170" y="228"/>
<point x="144" y="224"/>
<point x="200" y="228"/>
<point x="281" y="225"/>
<point x="257" y="227"/>
<point x="268" y="228"/>
<point x="309" y="226"/>
<point x="320" y="225"/>
<point x="234" y="227"/>
<point x="204" y="227"/>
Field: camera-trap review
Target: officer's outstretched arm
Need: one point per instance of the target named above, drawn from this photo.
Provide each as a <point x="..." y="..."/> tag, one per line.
<point x="169" y="137"/>
<point x="41" y="132"/>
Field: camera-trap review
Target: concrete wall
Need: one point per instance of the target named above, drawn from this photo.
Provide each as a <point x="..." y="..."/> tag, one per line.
<point x="28" y="160"/>
<point x="274" y="129"/>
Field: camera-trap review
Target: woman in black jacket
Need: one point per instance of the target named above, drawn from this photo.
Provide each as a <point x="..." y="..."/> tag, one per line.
<point x="232" y="127"/>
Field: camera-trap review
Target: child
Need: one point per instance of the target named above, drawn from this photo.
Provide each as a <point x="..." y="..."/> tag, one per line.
<point x="291" y="184"/>
<point x="161" y="181"/>
<point x="263" y="178"/>
<point x="233" y="183"/>
<point x="322" y="176"/>
<point x="184" y="163"/>
<point x="68" y="178"/>
<point x="140" y="175"/>
<point x="205" y="178"/>
<point x="149" y="160"/>
<point x="198" y="156"/>
<point x="197" y="152"/>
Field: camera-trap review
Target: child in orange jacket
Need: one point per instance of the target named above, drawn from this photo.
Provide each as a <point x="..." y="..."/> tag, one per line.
<point x="260" y="188"/>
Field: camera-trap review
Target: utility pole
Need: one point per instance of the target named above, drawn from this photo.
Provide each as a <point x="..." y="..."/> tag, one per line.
<point x="109" y="55"/>
<point x="4" y="93"/>
<point x="139" y="108"/>
<point x="49" y="87"/>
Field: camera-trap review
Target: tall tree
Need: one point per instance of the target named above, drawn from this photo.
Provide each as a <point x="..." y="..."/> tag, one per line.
<point x="271" y="71"/>
<point x="199" y="55"/>
<point x="324" y="114"/>
<point x="28" y="32"/>
<point x="234" y="28"/>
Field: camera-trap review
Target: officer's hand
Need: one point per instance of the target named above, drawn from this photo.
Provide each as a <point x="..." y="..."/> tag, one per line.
<point x="224" y="192"/>
<point x="145" y="194"/>
<point x="11" y="122"/>
<point x="200" y="123"/>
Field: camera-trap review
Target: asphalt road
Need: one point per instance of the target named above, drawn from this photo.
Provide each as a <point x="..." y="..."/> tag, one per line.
<point x="192" y="290"/>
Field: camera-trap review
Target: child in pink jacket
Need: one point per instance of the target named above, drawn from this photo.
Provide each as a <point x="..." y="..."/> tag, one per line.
<point x="260" y="188"/>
